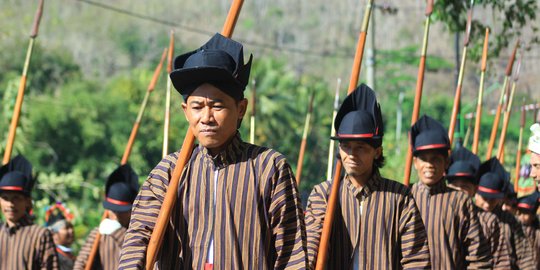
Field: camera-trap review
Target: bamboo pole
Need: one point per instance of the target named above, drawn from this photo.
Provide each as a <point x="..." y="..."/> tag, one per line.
<point x="495" y="126"/>
<point x="300" y="162"/>
<point x="480" y="94"/>
<point x="457" y="97"/>
<point x="22" y="86"/>
<point x="185" y="153"/>
<point x="334" y="197"/>
<point x="419" y="88"/>
<point x="253" y="112"/>
<point x="333" y="132"/>
<point x="167" y="119"/>
<point x="518" y="152"/>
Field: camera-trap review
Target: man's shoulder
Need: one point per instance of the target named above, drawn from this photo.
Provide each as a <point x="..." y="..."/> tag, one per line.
<point x="393" y="186"/>
<point x="264" y="154"/>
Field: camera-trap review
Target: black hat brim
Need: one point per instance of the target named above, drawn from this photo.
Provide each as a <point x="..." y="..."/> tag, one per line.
<point x="116" y="208"/>
<point x="187" y="80"/>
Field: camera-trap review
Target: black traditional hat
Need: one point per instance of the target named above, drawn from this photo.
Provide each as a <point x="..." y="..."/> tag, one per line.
<point x="463" y="164"/>
<point x="17" y="176"/>
<point x="219" y="62"/>
<point x="121" y="189"/>
<point x="493" y="183"/>
<point x="359" y="118"/>
<point x="530" y="202"/>
<point x="428" y="134"/>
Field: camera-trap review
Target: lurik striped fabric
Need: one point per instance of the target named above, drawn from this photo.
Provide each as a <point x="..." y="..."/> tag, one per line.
<point x="257" y="221"/>
<point x="455" y="237"/>
<point x="519" y="248"/>
<point x="533" y="234"/>
<point x="495" y="237"/>
<point x="27" y="246"/>
<point x="380" y="220"/>
<point x="109" y="250"/>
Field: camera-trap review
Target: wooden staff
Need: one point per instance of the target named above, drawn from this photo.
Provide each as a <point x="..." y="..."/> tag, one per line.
<point x="252" y="113"/>
<point x="468" y="133"/>
<point x="495" y="126"/>
<point x="457" y="97"/>
<point x="300" y="162"/>
<point x="518" y="153"/>
<point x="185" y="154"/>
<point x="333" y="132"/>
<point x="419" y="87"/>
<point x="127" y="151"/>
<point x="22" y="86"/>
<point x="135" y="128"/>
<point x="480" y="94"/>
<point x="334" y="196"/>
<point x="168" y="97"/>
<point x="508" y="111"/>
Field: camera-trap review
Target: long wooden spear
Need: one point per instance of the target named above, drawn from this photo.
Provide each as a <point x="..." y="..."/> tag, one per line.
<point x="252" y="113"/>
<point x="467" y="117"/>
<point x="518" y="153"/>
<point x="480" y="94"/>
<point x="333" y="133"/>
<point x="135" y="128"/>
<point x="168" y="97"/>
<point x="457" y="97"/>
<point x="334" y="196"/>
<point x="419" y="88"/>
<point x="185" y="154"/>
<point x="22" y="86"/>
<point x="300" y="162"/>
<point x="508" y="111"/>
<point x="95" y="245"/>
<point x="495" y="126"/>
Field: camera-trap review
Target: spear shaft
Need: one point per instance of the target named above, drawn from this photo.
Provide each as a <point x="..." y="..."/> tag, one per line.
<point x="478" y="117"/>
<point x="168" y="97"/>
<point x="185" y="154"/>
<point x="419" y="88"/>
<point x="333" y="199"/>
<point x="22" y="85"/>
<point x="333" y="132"/>
<point x="252" y="114"/>
<point x="518" y="153"/>
<point x="300" y="162"/>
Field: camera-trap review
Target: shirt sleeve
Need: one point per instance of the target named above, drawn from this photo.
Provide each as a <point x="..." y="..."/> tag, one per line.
<point x="501" y="255"/>
<point x="287" y="220"/>
<point x="413" y="237"/>
<point x="144" y="214"/>
<point x="47" y="250"/>
<point x="82" y="258"/>
<point x="478" y="251"/>
<point x="315" y="212"/>
<point x="525" y="256"/>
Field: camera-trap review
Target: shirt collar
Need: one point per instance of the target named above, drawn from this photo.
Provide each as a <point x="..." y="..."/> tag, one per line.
<point x="364" y="192"/>
<point x="439" y="187"/>
<point x="229" y="155"/>
<point x="24" y="221"/>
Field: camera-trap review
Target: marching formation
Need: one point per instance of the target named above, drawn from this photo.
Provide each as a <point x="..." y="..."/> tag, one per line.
<point x="224" y="203"/>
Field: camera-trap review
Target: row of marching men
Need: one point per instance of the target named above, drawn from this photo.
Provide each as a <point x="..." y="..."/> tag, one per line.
<point x="238" y="205"/>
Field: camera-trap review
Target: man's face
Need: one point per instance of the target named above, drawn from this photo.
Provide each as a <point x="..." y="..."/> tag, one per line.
<point x="525" y="217"/>
<point x="213" y="116"/>
<point x="535" y="169"/>
<point x="430" y="166"/>
<point x="14" y="205"/>
<point x="123" y="218"/>
<point x="464" y="186"/>
<point x="64" y="236"/>
<point x="486" y="204"/>
<point x="358" y="157"/>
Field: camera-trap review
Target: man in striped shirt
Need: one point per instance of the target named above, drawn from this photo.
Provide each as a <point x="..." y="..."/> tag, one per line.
<point x="377" y="224"/>
<point x="23" y="245"/>
<point x="120" y="190"/>
<point x="462" y="175"/>
<point x="238" y="205"/>
<point x="527" y="207"/>
<point x="455" y="237"/>
<point x="489" y="197"/>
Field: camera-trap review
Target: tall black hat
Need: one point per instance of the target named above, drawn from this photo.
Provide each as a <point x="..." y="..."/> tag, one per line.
<point x="428" y="134"/>
<point x="17" y="176"/>
<point x="121" y="189"/>
<point x="530" y="202"/>
<point x="219" y="62"/>
<point x="463" y="164"/>
<point x="493" y="183"/>
<point x="359" y="118"/>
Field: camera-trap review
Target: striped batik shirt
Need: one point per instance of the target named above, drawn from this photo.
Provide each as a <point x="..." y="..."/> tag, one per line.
<point x="533" y="234"/>
<point x="494" y="236"/>
<point x="455" y="237"/>
<point x="254" y="222"/>
<point x="26" y="246"/>
<point x="519" y="248"/>
<point x="109" y="250"/>
<point x="379" y="222"/>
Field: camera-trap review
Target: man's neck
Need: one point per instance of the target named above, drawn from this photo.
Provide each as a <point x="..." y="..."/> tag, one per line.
<point x="360" y="181"/>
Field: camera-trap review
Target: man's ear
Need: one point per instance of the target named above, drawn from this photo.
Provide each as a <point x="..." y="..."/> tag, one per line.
<point x="242" y="108"/>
